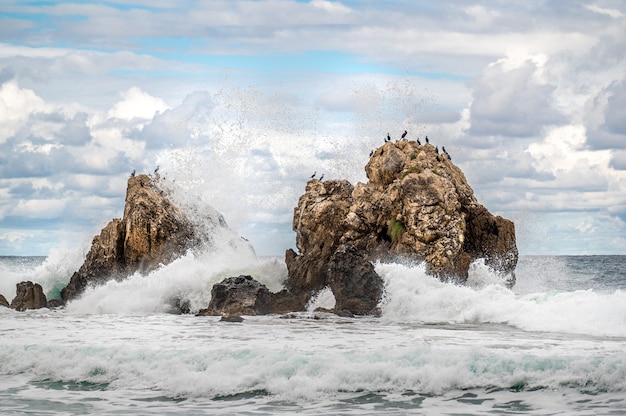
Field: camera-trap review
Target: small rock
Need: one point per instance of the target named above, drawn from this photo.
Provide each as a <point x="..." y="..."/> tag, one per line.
<point x="29" y="295"/>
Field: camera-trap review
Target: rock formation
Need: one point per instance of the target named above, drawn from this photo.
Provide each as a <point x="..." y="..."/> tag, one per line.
<point x="152" y="232"/>
<point x="4" y="302"/>
<point x="29" y="295"/>
<point x="243" y="295"/>
<point x="416" y="205"/>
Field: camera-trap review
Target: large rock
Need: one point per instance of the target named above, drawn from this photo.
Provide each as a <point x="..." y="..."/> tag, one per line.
<point x="152" y="232"/>
<point x="29" y="295"/>
<point x="243" y="295"/>
<point x="4" y="302"/>
<point x="354" y="282"/>
<point x="416" y="205"/>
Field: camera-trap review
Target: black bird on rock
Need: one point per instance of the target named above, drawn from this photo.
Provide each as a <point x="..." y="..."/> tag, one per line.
<point x="418" y="141"/>
<point x="314" y="173"/>
<point x="322" y="177"/>
<point x="437" y="149"/>
<point x="132" y="174"/>
<point x="388" y="138"/>
<point x="426" y="139"/>
<point x="371" y="153"/>
<point x="403" y="134"/>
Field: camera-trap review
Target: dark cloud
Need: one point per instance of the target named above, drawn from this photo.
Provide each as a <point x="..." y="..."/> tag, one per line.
<point x="618" y="160"/>
<point x="75" y="131"/>
<point x="615" y="113"/>
<point x="509" y="102"/>
<point x="7" y="74"/>
<point x="26" y="190"/>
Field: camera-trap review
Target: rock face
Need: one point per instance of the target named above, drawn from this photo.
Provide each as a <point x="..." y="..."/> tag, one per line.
<point x="417" y="205"/>
<point x="152" y="232"/>
<point x="4" y="302"/>
<point x="29" y="295"/>
<point x="242" y="295"/>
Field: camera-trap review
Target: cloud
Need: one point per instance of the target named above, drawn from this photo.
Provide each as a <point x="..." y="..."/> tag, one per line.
<point x="615" y="122"/>
<point x="511" y="99"/>
<point x="137" y="104"/>
<point x="16" y="105"/>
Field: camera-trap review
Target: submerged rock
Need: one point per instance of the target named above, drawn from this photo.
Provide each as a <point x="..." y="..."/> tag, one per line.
<point x="152" y="232"/>
<point x="29" y="295"/>
<point x="416" y="205"/>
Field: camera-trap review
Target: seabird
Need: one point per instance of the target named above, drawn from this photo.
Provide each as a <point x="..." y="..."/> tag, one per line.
<point x="156" y="170"/>
<point x="418" y="141"/>
<point x="388" y="138"/>
<point x="371" y="153"/>
<point x="426" y="139"/>
<point x="322" y="177"/>
<point x="314" y="173"/>
<point x="437" y="149"/>
<point x="443" y="149"/>
<point x="403" y="134"/>
<point x="132" y="174"/>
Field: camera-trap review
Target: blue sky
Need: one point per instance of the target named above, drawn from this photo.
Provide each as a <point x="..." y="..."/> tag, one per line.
<point x="238" y="102"/>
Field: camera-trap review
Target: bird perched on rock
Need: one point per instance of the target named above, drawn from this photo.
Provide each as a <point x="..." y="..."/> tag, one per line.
<point x="132" y="174"/>
<point x="388" y="139"/>
<point x="418" y="141"/>
<point x="426" y="139"/>
<point x="445" y="152"/>
<point x="403" y="134"/>
<point x="314" y="173"/>
<point x="437" y="149"/>
<point x="371" y="153"/>
<point x="322" y="177"/>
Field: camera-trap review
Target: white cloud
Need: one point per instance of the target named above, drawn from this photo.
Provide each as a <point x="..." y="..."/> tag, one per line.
<point x="40" y="208"/>
<point x="137" y="104"/>
<point x="609" y="12"/>
<point x="16" y="105"/>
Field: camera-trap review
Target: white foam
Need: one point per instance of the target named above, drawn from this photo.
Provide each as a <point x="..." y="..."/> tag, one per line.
<point x="413" y="295"/>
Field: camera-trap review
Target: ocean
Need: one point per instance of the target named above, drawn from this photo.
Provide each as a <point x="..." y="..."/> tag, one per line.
<point x="553" y="344"/>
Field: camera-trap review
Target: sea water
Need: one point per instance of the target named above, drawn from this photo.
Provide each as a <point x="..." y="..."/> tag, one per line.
<point x="553" y="344"/>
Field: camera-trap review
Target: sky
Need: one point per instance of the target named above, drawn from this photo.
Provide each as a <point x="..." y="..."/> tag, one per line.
<point x="239" y="102"/>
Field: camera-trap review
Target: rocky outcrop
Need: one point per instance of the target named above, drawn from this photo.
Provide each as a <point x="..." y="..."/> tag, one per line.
<point x="4" y="302"/>
<point x="152" y="232"/>
<point x="416" y="205"/>
<point x="352" y="279"/>
<point x="243" y="295"/>
<point x="29" y="295"/>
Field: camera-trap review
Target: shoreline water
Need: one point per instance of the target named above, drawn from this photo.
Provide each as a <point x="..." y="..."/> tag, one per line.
<point x="552" y="344"/>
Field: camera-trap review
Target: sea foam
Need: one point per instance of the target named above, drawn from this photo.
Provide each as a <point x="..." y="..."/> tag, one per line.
<point x="412" y="295"/>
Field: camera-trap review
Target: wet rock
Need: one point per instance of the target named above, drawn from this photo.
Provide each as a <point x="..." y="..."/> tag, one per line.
<point x="29" y="295"/>
<point x="243" y="295"/>
<point x="352" y="279"/>
<point x="152" y="232"/>
<point x="417" y="206"/>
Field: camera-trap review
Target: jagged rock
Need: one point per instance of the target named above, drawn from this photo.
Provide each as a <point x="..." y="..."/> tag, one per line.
<point x="29" y="295"/>
<point x="356" y="286"/>
<point x="243" y="295"/>
<point x="417" y="205"/>
<point x="4" y="302"/>
<point x="152" y="232"/>
<point x="322" y="205"/>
